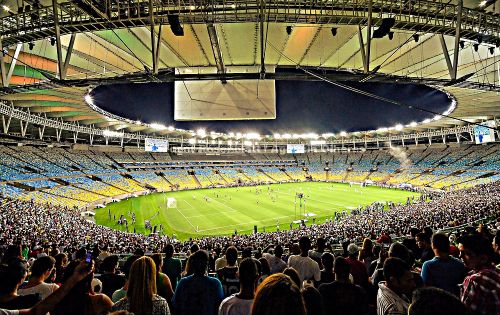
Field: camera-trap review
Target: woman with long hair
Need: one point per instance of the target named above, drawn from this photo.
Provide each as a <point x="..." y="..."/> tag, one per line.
<point x="278" y="295"/>
<point x="141" y="296"/>
<point x="366" y="253"/>
<point x="82" y="299"/>
<point x="163" y="284"/>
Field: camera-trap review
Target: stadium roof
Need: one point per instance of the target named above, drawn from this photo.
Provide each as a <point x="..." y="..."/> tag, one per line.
<point x="110" y="42"/>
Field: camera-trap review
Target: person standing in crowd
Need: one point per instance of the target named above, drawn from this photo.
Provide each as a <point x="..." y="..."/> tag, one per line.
<point x="41" y="270"/>
<point x="424" y="244"/>
<point x="327" y="274"/>
<point x="305" y="266"/>
<point x="141" y="296"/>
<point x="163" y="284"/>
<point x="81" y="299"/>
<point x="435" y="301"/>
<point x="276" y="263"/>
<point x="241" y="303"/>
<point x="12" y="274"/>
<point x="278" y="295"/>
<point x="443" y="271"/>
<point x="358" y="270"/>
<point x="227" y="274"/>
<point x="481" y="287"/>
<point x="392" y="296"/>
<point x="206" y="291"/>
<point x="341" y="297"/>
<point x="172" y="267"/>
<point x="111" y="281"/>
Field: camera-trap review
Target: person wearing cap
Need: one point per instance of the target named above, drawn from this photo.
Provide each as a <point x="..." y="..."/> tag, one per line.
<point x="12" y="275"/>
<point x="358" y="269"/>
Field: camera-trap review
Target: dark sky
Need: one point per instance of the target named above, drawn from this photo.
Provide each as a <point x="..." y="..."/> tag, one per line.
<point x="302" y="106"/>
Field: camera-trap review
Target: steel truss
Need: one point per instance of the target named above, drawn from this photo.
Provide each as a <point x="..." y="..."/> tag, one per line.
<point x="94" y="15"/>
<point x="25" y="117"/>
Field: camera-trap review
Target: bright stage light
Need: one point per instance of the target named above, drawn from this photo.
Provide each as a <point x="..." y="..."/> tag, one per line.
<point x="398" y="127"/>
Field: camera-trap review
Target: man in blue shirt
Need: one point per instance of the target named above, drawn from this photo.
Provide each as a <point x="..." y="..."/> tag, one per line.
<point x="443" y="271"/>
<point x="198" y="294"/>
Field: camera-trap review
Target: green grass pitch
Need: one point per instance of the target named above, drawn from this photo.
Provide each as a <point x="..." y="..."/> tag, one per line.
<point x="221" y="211"/>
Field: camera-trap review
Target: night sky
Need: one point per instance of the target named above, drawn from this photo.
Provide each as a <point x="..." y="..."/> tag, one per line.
<point x="302" y="107"/>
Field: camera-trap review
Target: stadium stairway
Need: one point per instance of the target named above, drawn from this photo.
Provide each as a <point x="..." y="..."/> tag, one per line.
<point x="246" y="176"/>
<point x="197" y="181"/>
<point x="220" y="175"/>
<point x="288" y="175"/>
<point x="267" y="175"/>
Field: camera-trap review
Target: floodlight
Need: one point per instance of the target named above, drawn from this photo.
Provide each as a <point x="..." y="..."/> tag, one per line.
<point x="437" y="117"/>
<point x="88" y="99"/>
<point x="233" y="6"/>
<point x="170" y="128"/>
<point x="192" y="7"/>
<point x="157" y="126"/>
<point x="230" y="142"/>
<point x="287" y="136"/>
<point x="277" y="136"/>
<point x="426" y="121"/>
<point x="413" y="124"/>
<point x="398" y="127"/>
<point x="343" y="133"/>
<point x="201" y="133"/>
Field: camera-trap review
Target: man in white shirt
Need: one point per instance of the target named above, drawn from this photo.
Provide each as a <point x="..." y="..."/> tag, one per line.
<point x="241" y="302"/>
<point x="392" y="294"/>
<point x="276" y="264"/>
<point x="306" y="267"/>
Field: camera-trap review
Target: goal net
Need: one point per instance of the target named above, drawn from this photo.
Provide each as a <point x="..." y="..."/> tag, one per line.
<point x="171" y="203"/>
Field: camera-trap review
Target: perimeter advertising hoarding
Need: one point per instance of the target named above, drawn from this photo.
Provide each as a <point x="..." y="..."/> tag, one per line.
<point x="155" y="145"/>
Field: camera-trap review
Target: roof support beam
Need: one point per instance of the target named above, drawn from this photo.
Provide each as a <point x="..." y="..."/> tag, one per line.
<point x="214" y="42"/>
<point x="460" y="5"/>
<point x="369" y="36"/>
<point x="69" y="52"/>
<point x="153" y="45"/>
<point x="446" y="54"/>
<point x="57" y="29"/>
<point x="362" y="48"/>
<point x="2" y="66"/>
<point x="262" y="43"/>
<point x="12" y="65"/>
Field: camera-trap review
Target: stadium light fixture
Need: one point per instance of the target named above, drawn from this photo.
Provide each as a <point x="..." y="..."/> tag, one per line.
<point x="170" y="128"/>
<point x="413" y="124"/>
<point x="239" y="135"/>
<point x="157" y="126"/>
<point x="230" y="142"/>
<point x="327" y="135"/>
<point x="287" y="136"/>
<point x="437" y="117"/>
<point x="88" y="99"/>
<point x="277" y="136"/>
<point x="192" y="7"/>
<point x="343" y="133"/>
<point x="252" y="135"/>
<point x="202" y="133"/>
<point x="398" y="127"/>
<point x="383" y="129"/>
<point x="247" y="143"/>
<point x="426" y="121"/>
<point x="318" y="142"/>
<point x="111" y="133"/>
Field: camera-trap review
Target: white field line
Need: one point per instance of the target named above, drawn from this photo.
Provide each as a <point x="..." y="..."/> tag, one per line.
<point x="248" y="222"/>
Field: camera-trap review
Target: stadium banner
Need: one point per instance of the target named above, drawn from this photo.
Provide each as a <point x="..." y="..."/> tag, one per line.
<point x="295" y="148"/>
<point x="155" y="145"/>
<point x="484" y="134"/>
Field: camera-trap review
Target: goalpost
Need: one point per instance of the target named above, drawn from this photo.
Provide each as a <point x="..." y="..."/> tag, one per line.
<point x="171" y="202"/>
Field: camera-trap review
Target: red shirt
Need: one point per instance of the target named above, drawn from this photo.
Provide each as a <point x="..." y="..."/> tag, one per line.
<point x="358" y="272"/>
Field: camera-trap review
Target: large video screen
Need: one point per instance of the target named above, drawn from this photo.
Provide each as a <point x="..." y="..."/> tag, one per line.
<point x="155" y="145"/>
<point x="295" y="148"/>
<point x="484" y="134"/>
<point x="233" y="100"/>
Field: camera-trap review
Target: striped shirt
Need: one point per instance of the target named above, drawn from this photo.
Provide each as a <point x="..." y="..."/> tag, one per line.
<point x="481" y="291"/>
<point x="389" y="303"/>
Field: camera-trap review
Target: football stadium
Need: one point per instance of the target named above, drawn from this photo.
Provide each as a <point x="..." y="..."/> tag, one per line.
<point x="250" y="157"/>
